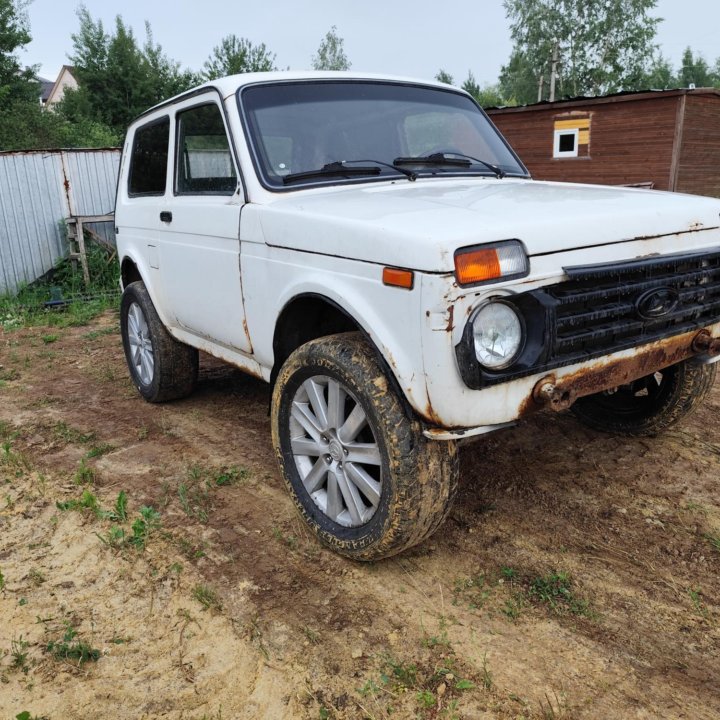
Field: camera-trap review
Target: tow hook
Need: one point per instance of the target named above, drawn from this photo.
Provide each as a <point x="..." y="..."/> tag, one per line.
<point x="548" y="394"/>
<point x="705" y="343"/>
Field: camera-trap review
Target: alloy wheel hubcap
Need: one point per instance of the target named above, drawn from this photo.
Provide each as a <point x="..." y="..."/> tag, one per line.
<point x="141" y="348"/>
<point x="335" y="451"/>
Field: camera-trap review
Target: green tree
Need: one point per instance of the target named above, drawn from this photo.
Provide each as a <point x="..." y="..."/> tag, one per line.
<point x="331" y="53"/>
<point x="659" y="75"/>
<point x="16" y="82"/>
<point x="236" y="55"/>
<point x="444" y="77"/>
<point x="596" y="46"/>
<point x="117" y="78"/>
<point x="487" y="96"/>
<point x="694" y="70"/>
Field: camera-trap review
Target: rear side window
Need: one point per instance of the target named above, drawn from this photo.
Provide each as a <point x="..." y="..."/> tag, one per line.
<point x="204" y="163"/>
<point x="148" y="164"/>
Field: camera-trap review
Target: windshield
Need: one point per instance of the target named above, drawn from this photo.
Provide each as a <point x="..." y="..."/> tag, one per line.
<point x="300" y="129"/>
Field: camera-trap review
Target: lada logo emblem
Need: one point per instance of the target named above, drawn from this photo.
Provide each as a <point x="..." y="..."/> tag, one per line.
<point x="656" y="303"/>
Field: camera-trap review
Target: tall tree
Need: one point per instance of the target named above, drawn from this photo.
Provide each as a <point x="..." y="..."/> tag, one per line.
<point x="118" y="79"/>
<point x="594" y="46"/>
<point x="331" y="53"/>
<point x="16" y="82"/>
<point x="694" y="70"/>
<point x="236" y="55"/>
<point x="444" y="77"/>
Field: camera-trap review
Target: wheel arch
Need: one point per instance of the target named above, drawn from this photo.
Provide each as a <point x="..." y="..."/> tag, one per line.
<point x="129" y="272"/>
<point x="309" y="316"/>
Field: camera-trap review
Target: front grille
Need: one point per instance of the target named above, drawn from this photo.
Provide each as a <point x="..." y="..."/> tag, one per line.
<point x="599" y="309"/>
<point x="602" y="309"/>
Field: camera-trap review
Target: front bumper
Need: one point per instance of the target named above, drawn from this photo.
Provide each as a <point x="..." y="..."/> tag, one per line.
<point x="559" y="390"/>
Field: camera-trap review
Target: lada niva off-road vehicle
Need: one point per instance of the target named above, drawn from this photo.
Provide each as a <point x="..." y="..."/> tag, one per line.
<point x="374" y="249"/>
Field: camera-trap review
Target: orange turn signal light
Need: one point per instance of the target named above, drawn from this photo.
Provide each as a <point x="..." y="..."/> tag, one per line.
<point x="398" y="278"/>
<point x="483" y="263"/>
<point x="477" y="266"/>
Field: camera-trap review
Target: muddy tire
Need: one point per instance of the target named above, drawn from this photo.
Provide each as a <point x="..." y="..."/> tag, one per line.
<point x="160" y="367"/>
<point x="360" y="472"/>
<point x="649" y="405"/>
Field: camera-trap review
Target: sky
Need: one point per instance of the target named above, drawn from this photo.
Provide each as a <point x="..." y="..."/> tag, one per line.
<point x="401" y="37"/>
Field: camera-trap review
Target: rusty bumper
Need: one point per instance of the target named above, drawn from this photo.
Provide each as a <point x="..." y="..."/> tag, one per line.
<point x="560" y="394"/>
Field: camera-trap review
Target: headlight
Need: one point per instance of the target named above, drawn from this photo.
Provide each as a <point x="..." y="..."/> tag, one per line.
<point x="498" y="334"/>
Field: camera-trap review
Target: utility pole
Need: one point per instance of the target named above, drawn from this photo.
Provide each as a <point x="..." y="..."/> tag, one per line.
<point x="553" y="72"/>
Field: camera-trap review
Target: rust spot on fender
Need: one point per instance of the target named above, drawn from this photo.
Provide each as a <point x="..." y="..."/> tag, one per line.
<point x="451" y="313"/>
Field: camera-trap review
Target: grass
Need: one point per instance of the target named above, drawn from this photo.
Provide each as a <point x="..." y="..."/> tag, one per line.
<point x="432" y="688"/>
<point x="85" y="474"/>
<point x="71" y="647"/>
<point x="207" y="597"/>
<point x="19" y="655"/>
<point x="696" y="597"/>
<point x="71" y="435"/>
<point x="714" y="540"/>
<point x="99" y="450"/>
<point x="555" y="590"/>
<point x="27" y="307"/>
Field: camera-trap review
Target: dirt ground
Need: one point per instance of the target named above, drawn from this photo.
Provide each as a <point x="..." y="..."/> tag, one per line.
<point x="577" y="576"/>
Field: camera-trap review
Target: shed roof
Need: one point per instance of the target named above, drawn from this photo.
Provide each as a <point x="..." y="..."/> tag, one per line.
<point x="624" y="96"/>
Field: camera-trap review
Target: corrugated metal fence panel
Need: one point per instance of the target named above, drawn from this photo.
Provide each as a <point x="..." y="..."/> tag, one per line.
<point x="34" y="202"/>
<point x="93" y="177"/>
<point x="31" y="208"/>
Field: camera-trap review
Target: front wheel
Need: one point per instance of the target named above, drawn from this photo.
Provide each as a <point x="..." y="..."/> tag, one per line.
<point x="359" y="470"/>
<point x="649" y="405"/>
<point x="160" y="367"/>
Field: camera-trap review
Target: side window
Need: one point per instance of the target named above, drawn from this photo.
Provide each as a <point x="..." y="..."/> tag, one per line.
<point x="204" y="163"/>
<point x="148" y="162"/>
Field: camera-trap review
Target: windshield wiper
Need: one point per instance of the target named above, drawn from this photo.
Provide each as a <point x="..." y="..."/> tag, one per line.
<point x="442" y="158"/>
<point x="333" y="168"/>
<point x="341" y="167"/>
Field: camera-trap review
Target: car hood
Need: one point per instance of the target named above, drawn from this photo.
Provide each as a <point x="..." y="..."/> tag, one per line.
<point x="420" y="225"/>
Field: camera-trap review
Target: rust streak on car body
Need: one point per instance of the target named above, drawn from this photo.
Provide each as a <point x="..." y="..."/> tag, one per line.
<point x="599" y="376"/>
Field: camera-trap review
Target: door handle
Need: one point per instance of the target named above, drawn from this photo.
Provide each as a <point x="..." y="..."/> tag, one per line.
<point x="166" y="216"/>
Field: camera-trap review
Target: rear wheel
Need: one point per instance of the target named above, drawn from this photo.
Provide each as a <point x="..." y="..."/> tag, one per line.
<point x="161" y="367"/>
<point x="649" y="405"/>
<point x="359" y="470"/>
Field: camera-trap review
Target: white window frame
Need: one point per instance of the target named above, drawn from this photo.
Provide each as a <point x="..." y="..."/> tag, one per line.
<point x="575" y="132"/>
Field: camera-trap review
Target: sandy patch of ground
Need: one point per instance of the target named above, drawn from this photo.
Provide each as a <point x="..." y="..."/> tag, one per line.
<point x="577" y="576"/>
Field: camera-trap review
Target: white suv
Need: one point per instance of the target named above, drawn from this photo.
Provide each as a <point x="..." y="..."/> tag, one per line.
<point x="373" y="248"/>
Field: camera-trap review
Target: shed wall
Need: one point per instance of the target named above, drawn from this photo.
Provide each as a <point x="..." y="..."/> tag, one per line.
<point x="699" y="162"/>
<point x="630" y="142"/>
<point x="38" y="190"/>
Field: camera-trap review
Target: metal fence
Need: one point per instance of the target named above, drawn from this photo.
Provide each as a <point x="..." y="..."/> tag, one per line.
<point x="38" y="191"/>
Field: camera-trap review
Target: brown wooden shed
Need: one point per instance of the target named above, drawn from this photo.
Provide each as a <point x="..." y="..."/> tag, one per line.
<point x="666" y="139"/>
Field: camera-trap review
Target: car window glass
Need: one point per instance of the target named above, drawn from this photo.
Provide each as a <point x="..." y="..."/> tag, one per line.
<point x="148" y="164"/>
<point x="204" y="163"/>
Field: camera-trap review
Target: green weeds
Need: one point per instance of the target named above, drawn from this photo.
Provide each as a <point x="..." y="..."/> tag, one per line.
<point x="85" y="474"/>
<point x="696" y="598"/>
<point x="19" y="655"/>
<point x="555" y="590"/>
<point x="398" y="679"/>
<point x="82" y="304"/>
<point x="71" y="647"/>
<point x="70" y="435"/>
<point x="207" y="597"/>
<point x="117" y="537"/>
<point x="714" y="540"/>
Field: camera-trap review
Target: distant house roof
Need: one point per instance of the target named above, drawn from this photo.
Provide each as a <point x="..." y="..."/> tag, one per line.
<point x="46" y="87"/>
<point x="66" y="78"/>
